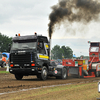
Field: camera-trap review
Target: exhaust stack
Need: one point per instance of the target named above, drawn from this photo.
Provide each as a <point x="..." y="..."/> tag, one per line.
<point x="50" y="48"/>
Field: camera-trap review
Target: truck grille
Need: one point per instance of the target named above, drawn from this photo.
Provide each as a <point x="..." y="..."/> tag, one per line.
<point x="21" y="59"/>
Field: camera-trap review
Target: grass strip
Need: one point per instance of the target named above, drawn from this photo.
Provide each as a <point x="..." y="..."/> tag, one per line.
<point x="88" y="91"/>
<point x="3" y="72"/>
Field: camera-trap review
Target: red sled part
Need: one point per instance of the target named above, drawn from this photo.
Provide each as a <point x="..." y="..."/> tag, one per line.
<point x="80" y="71"/>
<point x="68" y="62"/>
<point x="92" y="75"/>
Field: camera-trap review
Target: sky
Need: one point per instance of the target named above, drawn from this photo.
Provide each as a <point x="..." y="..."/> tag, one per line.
<point x="29" y="16"/>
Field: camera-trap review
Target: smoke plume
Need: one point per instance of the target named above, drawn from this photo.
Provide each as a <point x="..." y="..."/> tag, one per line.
<point x="74" y="11"/>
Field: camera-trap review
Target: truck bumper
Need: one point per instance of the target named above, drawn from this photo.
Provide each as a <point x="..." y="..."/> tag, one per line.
<point x="24" y="71"/>
<point x="34" y="71"/>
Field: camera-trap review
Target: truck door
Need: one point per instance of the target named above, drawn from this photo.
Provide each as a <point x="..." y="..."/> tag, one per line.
<point x="42" y="50"/>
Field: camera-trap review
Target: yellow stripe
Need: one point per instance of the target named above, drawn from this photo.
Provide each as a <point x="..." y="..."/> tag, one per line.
<point x="41" y="56"/>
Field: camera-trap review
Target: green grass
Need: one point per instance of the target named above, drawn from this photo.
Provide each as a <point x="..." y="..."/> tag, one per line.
<point x="3" y="72"/>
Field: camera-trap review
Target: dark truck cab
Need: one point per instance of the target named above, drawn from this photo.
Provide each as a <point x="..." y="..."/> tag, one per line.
<point x="29" y="55"/>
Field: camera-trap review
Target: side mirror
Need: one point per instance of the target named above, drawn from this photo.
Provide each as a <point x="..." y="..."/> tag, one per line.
<point x="40" y="45"/>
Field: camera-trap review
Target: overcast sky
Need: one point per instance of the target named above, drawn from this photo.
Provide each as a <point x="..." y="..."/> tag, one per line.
<point x="27" y="17"/>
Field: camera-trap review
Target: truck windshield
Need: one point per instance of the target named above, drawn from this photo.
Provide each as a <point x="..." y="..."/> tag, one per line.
<point x="23" y="45"/>
<point x="94" y="49"/>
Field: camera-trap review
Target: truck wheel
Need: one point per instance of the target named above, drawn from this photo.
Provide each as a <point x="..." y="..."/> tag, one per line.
<point x="44" y="73"/>
<point x="18" y="77"/>
<point x="64" y="73"/>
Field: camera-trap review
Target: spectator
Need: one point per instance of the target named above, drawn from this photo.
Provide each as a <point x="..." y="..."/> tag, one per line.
<point x="4" y="59"/>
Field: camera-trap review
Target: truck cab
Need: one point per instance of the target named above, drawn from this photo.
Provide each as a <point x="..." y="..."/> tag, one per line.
<point x="94" y="58"/>
<point x="25" y="56"/>
<point x="94" y="52"/>
<point x="30" y="55"/>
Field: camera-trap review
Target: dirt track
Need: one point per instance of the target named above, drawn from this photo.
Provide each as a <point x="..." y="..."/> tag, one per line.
<point x="9" y="83"/>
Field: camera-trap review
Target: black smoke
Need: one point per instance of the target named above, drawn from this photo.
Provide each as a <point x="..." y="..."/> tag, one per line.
<point x="74" y="11"/>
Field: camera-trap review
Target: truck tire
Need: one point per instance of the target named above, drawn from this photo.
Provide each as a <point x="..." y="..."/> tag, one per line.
<point x="44" y="73"/>
<point x="64" y="74"/>
<point x="18" y="77"/>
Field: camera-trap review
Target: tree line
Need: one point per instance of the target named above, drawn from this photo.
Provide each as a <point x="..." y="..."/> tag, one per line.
<point x="4" y="42"/>
<point x="58" y="52"/>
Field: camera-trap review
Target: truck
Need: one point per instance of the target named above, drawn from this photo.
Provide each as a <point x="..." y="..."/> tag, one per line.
<point x="85" y="68"/>
<point x="30" y="55"/>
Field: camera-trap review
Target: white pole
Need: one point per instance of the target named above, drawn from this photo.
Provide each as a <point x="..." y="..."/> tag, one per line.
<point x="7" y="70"/>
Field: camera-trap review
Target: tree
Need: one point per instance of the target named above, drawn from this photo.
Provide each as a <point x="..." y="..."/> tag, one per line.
<point x="4" y="42"/>
<point x="59" y="53"/>
<point x="56" y="52"/>
<point x="67" y="52"/>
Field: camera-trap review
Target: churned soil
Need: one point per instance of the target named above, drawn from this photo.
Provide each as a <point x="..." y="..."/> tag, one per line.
<point x="2" y="69"/>
<point x="8" y="82"/>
